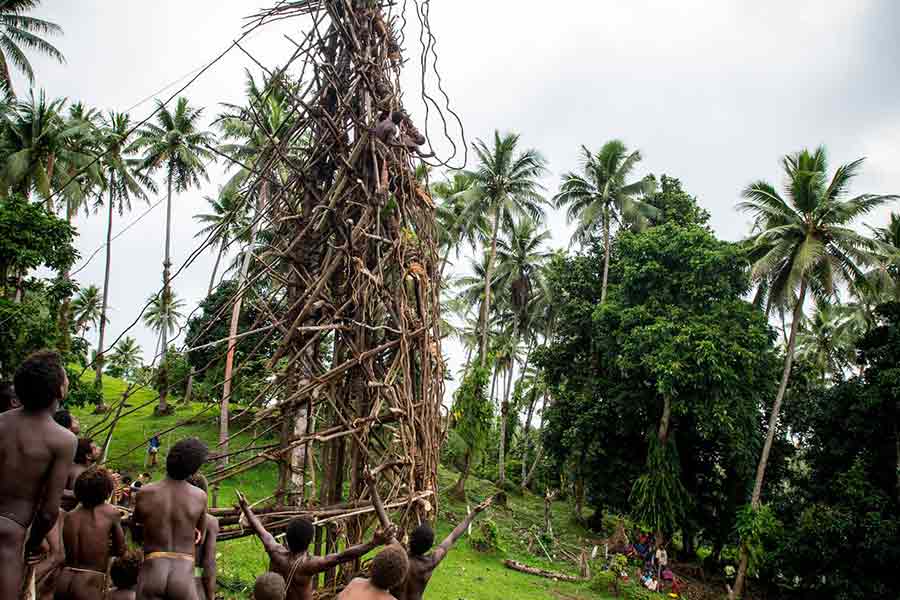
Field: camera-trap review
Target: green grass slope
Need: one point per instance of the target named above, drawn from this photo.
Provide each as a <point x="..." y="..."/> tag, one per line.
<point x="465" y="574"/>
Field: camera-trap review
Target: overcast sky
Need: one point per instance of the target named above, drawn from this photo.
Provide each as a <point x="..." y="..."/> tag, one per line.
<point x="713" y="93"/>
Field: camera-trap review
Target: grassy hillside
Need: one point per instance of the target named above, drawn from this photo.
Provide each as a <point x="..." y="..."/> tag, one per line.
<point x="464" y="575"/>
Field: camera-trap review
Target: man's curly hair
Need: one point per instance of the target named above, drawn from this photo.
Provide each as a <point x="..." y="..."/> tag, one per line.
<point x="185" y="458"/>
<point x="124" y="571"/>
<point x="421" y="539"/>
<point x="84" y="450"/>
<point x="389" y="568"/>
<point x="269" y="586"/>
<point x="39" y="380"/>
<point x="94" y="487"/>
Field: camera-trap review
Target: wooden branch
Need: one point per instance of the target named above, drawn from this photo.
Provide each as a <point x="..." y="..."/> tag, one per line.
<point x="517" y="566"/>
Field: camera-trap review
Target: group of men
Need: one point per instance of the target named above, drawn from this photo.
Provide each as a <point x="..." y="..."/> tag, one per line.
<point x="49" y="553"/>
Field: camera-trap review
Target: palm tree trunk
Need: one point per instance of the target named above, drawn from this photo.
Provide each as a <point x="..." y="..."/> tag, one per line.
<point x="50" y="162"/>
<point x="770" y="436"/>
<point x="526" y="443"/>
<point x="212" y="279"/>
<point x="65" y="310"/>
<point x="444" y="262"/>
<point x="486" y="305"/>
<point x="504" y="411"/>
<point x="98" y="361"/>
<point x="232" y="330"/>
<point x="163" y="407"/>
<point x="606" y="252"/>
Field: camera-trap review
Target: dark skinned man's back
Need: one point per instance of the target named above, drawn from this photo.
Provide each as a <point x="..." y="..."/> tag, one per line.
<point x="92" y="536"/>
<point x="35" y="454"/>
<point x="167" y="515"/>
<point x="422" y="566"/>
<point x="299" y="568"/>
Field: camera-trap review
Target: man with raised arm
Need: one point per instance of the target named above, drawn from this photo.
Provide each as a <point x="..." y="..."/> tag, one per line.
<point x="35" y="454"/>
<point x="206" y="551"/>
<point x="387" y="571"/>
<point x="293" y="562"/>
<point x="169" y="519"/>
<point x="92" y="534"/>
<point x="421" y="565"/>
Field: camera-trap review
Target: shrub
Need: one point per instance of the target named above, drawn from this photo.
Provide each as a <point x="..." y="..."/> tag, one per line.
<point x="486" y="538"/>
<point x="603" y="581"/>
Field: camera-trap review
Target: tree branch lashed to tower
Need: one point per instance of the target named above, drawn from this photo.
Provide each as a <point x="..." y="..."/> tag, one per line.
<point x="351" y="254"/>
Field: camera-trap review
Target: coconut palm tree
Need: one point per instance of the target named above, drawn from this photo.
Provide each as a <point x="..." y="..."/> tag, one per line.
<point x="506" y="186"/>
<point x="163" y="315"/>
<point x="601" y="196"/>
<point x="18" y="31"/>
<point x="826" y="340"/>
<point x="125" y="359"/>
<point x="37" y="138"/>
<point x="804" y="244"/>
<point x="457" y="222"/>
<point x="224" y="222"/>
<point x="123" y="181"/>
<point x="254" y="132"/>
<point x="177" y="144"/>
<point x="86" y="309"/>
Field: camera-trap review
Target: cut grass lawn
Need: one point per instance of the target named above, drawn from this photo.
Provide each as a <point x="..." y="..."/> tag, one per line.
<point x="464" y="575"/>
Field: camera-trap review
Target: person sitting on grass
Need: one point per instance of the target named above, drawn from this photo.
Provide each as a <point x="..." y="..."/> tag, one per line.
<point x="269" y="586"/>
<point x="422" y="565"/>
<point x="169" y="520"/>
<point x="388" y="570"/>
<point x="294" y="562"/>
<point x="92" y="534"/>
<point x="124" y="575"/>
<point x="206" y="550"/>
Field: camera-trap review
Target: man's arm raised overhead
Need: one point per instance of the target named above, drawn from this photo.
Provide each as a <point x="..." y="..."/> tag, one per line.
<point x="268" y="540"/>
<point x="317" y="564"/>
<point x="441" y="551"/>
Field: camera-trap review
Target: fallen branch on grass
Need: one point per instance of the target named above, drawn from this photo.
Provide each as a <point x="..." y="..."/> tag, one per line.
<point x="517" y="566"/>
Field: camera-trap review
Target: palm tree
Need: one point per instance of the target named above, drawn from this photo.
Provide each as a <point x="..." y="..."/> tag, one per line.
<point x="457" y="222"/>
<point x="826" y="340"/>
<point x="36" y="138"/>
<point x="804" y="244"/>
<point x="506" y="186"/>
<point x="125" y="359"/>
<point x="884" y="278"/>
<point x="163" y="315"/>
<point x="225" y="222"/>
<point x="18" y="31"/>
<point x="255" y="131"/>
<point x="601" y="196"/>
<point x="177" y="144"/>
<point x="123" y="180"/>
<point x="86" y="309"/>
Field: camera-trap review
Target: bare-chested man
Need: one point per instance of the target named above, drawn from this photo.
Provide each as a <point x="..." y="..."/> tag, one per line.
<point x="124" y="575"/>
<point x="92" y="534"/>
<point x="167" y="517"/>
<point x="421" y="565"/>
<point x="294" y="562"/>
<point x="206" y="550"/>
<point x="269" y="586"/>
<point x="35" y="454"/>
<point x="86" y="454"/>
<point x="47" y="571"/>
<point x="388" y="570"/>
